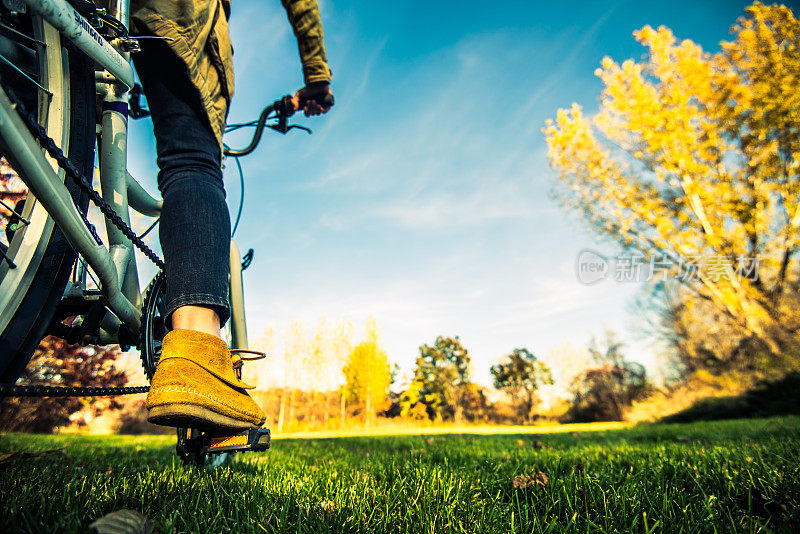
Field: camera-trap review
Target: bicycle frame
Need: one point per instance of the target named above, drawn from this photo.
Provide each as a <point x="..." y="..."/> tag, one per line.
<point x="115" y="266"/>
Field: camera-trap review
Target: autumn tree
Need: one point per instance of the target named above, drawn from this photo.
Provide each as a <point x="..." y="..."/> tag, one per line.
<point x="520" y="375"/>
<point x="56" y="363"/>
<point x="341" y="348"/>
<point x="695" y="338"/>
<point x="315" y="367"/>
<point x="609" y="386"/>
<point x="441" y="379"/>
<point x="328" y="350"/>
<point x="294" y="348"/>
<point x="367" y="372"/>
<point x="692" y="162"/>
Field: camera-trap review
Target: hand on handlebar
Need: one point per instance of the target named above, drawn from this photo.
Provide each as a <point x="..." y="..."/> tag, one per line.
<point x="313" y="99"/>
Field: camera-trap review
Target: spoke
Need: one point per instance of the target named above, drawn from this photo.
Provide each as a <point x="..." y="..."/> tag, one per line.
<point x="22" y="73"/>
<point x="20" y="217"/>
<point x="18" y="33"/>
<point x="11" y="264"/>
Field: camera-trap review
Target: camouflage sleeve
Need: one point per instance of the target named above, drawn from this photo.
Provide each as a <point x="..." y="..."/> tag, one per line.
<point x="305" y="20"/>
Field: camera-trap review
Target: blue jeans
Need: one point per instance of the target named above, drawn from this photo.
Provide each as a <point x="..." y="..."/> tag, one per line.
<point x="195" y="227"/>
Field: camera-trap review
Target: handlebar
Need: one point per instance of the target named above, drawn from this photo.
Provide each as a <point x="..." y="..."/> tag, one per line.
<point x="283" y="109"/>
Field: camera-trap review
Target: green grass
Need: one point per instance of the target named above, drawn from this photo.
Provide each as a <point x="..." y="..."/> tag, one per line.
<point x="731" y="476"/>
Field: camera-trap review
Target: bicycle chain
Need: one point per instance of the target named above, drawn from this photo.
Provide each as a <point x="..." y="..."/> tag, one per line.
<point x="48" y="144"/>
<point x="55" y="152"/>
<point x="10" y="390"/>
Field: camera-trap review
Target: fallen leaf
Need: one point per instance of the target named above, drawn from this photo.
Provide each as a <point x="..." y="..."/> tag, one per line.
<point x="123" y="522"/>
<point x="526" y="481"/>
<point x="578" y="467"/>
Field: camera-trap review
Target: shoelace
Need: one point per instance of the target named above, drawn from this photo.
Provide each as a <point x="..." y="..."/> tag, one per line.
<point x="238" y="362"/>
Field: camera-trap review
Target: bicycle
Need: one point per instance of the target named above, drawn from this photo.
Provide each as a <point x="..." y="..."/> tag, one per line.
<point x="57" y="61"/>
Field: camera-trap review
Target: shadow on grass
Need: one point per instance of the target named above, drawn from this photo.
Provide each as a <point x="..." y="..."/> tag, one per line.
<point x="768" y="398"/>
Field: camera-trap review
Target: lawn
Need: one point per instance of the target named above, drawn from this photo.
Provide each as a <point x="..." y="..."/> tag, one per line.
<point x="732" y="476"/>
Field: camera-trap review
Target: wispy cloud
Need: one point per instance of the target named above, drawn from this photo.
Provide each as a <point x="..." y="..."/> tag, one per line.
<point x="351" y="96"/>
<point x="443" y="165"/>
<point x="446" y="210"/>
<point x="267" y="32"/>
<point x="558" y="76"/>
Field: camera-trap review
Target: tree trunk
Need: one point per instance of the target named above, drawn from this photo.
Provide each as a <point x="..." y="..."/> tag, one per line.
<point x="368" y="408"/>
<point x="342" y="409"/>
<point x="312" y="407"/>
<point x="458" y="405"/>
<point x="326" y="407"/>
<point x="282" y="409"/>
<point x="291" y="407"/>
<point x="528" y="406"/>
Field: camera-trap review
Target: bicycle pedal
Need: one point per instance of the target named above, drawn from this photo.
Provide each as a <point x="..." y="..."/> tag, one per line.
<point x="198" y="443"/>
<point x="255" y="439"/>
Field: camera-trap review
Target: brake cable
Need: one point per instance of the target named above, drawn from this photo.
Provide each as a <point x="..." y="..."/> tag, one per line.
<point x="282" y="109"/>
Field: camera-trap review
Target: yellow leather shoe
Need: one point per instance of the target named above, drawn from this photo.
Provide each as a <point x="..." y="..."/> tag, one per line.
<point x="197" y="384"/>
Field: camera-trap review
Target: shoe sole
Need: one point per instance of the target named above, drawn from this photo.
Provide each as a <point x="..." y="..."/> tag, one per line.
<point x="191" y="416"/>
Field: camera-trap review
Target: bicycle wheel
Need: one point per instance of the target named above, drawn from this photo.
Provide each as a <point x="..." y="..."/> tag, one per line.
<point x="42" y="259"/>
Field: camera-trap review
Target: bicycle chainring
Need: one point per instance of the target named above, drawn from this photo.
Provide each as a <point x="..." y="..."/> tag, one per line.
<point x="154" y="326"/>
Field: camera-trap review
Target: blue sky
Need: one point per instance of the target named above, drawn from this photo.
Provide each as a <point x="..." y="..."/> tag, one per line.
<point x="422" y="198"/>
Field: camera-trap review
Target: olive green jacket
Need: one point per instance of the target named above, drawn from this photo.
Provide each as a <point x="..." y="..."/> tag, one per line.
<point x="200" y="37"/>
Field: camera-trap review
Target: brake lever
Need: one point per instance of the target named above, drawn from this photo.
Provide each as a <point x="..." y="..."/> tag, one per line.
<point x="284" y="108"/>
<point x="284" y="129"/>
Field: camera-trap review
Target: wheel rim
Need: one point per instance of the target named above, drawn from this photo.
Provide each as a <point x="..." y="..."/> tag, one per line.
<point x="29" y="241"/>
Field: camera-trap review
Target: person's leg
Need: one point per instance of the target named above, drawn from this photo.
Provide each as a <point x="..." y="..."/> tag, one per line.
<point x="195" y="224"/>
<point x="200" y="318"/>
<point x="195" y="384"/>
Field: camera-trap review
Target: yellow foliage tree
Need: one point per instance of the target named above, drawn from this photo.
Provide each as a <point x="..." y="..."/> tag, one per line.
<point x="694" y="156"/>
<point x="295" y="348"/>
<point x="328" y="349"/>
<point x="367" y="372"/>
<point x="340" y="348"/>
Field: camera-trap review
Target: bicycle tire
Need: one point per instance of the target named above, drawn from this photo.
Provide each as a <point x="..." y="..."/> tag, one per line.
<point x="28" y="321"/>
